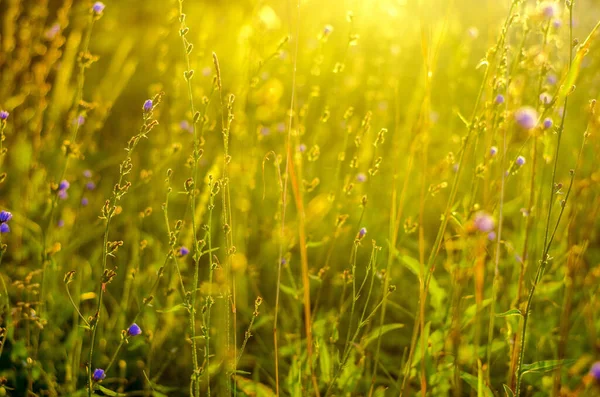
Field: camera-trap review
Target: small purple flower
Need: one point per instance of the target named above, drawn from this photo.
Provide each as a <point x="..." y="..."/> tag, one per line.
<point x="520" y="161"/>
<point x="551" y="79"/>
<point x="3" y="114"/>
<point x="60" y="223"/>
<point x="80" y="120"/>
<point x="283" y="261"/>
<point x="327" y="29"/>
<point x="362" y="232"/>
<point x="206" y="71"/>
<point x="499" y="99"/>
<point x="98" y="7"/>
<point x="5" y="216"/>
<point x="148" y="105"/>
<point x="264" y="131"/>
<point x="549" y="9"/>
<point x="302" y="148"/>
<point x="87" y="173"/>
<point x="493" y="151"/>
<point x="595" y="370"/>
<point x="4" y="228"/>
<point x="484" y="222"/>
<point x="186" y="126"/>
<point x="52" y="31"/>
<point x="84" y="201"/>
<point x="90" y="185"/>
<point x="183" y="251"/>
<point x="491" y="235"/>
<point x="62" y="194"/>
<point x="526" y="117"/>
<point x="98" y="375"/>
<point x="64" y="185"/>
<point x="556" y="23"/>
<point x="361" y="177"/>
<point x="134" y="330"/>
<point x="547" y="123"/>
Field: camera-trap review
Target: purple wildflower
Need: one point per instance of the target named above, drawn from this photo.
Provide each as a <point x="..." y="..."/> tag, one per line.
<point x="362" y="232"/>
<point x="64" y="185"/>
<point x="526" y="117"/>
<point x="52" y="31"/>
<point x="499" y="99"/>
<point x="549" y="9"/>
<point x="183" y="251"/>
<point x="134" y="330"/>
<point x="595" y="370"/>
<point x="98" y="375"/>
<point x="148" y="105"/>
<point x="87" y="173"/>
<point x="264" y="131"/>
<point x="90" y="185"/>
<point x="302" y="148"/>
<point x="545" y="98"/>
<point x="5" y="216"/>
<point x="520" y="161"/>
<point x="3" y="114"/>
<point x="60" y="223"/>
<point x="62" y="194"/>
<point x="493" y="151"/>
<point x="4" y="228"/>
<point x="84" y="201"/>
<point x="186" y="126"/>
<point x="484" y="222"/>
<point x="547" y="123"/>
<point x="361" y="177"/>
<point x="551" y="79"/>
<point x="98" y="7"/>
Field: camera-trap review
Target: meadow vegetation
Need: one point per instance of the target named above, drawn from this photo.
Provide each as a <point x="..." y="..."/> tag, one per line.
<point x="298" y="198"/>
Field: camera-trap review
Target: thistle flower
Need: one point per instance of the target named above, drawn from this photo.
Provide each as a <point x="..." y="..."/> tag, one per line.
<point x="499" y="99"/>
<point x="4" y="228"/>
<point x="3" y="114"/>
<point x="148" y="105"/>
<point x="484" y="222"/>
<point x="98" y="375"/>
<point x="493" y="151"/>
<point x="595" y="370"/>
<point x="5" y="216"/>
<point x="547" y="123"/>
<point x="183" y="251"/>
<point x="134" y="330"/>
<point x="520" y="161"/>
<point x="526" y="117"/>
<point x="98" y="7"/>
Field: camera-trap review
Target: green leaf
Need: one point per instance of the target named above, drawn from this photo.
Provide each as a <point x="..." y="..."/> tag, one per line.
<point x="172" y="309"/>
<point x="108" y="392"/>
<point x="508" y="391"/>
<point x="324" y="361"/>
<point x="384" y="329"/>
<point x="511" y="312"/>
<point x="544" y="366"/>
<point x="252" y="388"/>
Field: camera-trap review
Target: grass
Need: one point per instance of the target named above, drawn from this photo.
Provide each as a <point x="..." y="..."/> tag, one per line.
<point x="314" y="198"/>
